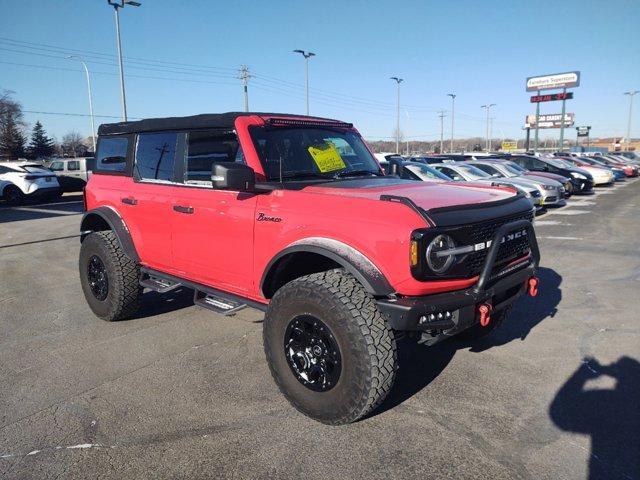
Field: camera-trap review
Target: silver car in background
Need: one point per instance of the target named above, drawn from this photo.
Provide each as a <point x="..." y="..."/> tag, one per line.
<point x="551" y="192"/>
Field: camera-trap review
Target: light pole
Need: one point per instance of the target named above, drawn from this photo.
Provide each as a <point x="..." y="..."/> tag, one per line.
<point x="488" y="107"/>
<point x="398" y="81"/>
<point x="86" y="70"/>
<point x="453" y="109"/>
<point x="306" y="56"/>
<point x="117" y="4"/>
<point x="631" y="94"/>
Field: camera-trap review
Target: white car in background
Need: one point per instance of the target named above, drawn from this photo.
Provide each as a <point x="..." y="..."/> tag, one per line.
<point x="25" y="180"/>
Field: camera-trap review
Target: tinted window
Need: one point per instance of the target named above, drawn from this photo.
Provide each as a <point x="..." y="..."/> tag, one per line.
<point x="204" y="148"/>
<point x="155" y="155"/>
<point x="449" y="173"/>
<point x="112" y="154"/>
<point x="73" y="165"/>
<point x="486" y="169"/>
<point x="57" y="166"/>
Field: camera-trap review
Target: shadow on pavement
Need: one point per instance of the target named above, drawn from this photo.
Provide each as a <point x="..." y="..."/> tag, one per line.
<point x="610" y="416"/>
<point x="34" y="210"/>
<point x="420" y="365"/>
<point x="154" y="303"/>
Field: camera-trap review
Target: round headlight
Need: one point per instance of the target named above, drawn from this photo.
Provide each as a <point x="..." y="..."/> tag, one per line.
<point x="440" y="263"/>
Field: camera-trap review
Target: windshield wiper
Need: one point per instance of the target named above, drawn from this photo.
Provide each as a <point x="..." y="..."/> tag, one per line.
<point x="302" y="175"/>
<point x="355" y="173"/>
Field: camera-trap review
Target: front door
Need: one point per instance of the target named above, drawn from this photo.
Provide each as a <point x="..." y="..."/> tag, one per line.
<point x="212" y="230"/>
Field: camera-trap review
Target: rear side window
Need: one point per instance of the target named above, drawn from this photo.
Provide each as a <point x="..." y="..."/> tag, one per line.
<point x="112" y="154"/>
<point x="57" y="166"/>
<point x="155" y="155"/>
<point x="73" y="165"/>
<point x="205" y="148"/>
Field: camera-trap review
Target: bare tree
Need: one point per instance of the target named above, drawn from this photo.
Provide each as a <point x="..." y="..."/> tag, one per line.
<point x="73" y="144"/>
<point x="12" y="137"/>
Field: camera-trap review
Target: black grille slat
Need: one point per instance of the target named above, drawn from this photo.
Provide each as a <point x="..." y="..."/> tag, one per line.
<point x="483" y="232"/>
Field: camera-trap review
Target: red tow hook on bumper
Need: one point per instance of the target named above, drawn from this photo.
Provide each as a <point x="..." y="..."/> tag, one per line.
<point x="533" y="286"/>
<point x="484" y="309"/>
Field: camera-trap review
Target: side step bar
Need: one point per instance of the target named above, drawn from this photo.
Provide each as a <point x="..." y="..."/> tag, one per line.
<point x="217" y="303"/>
<point x="158" y="284"/>
<point x="204" y="296"/>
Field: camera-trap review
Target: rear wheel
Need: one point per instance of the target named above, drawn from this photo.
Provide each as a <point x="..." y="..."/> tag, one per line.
<point x="330" y="351"/>
<point x="110" y="280"/>
<point x="13" y="195"/>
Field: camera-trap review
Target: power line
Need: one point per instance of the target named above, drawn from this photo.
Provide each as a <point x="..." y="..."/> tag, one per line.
<point x="69" y="114"/>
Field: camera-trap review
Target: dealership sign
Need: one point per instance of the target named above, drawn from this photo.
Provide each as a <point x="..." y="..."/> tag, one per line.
<point x="583" y="131"/>
<point x="552" y="97"/>
<point x="507" y="146"/>
<point x="556" y="80"/>
<point x="549" y="121"/>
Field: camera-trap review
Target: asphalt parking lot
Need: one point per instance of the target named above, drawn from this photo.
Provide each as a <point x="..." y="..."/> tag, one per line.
<point x="180" y="392"/>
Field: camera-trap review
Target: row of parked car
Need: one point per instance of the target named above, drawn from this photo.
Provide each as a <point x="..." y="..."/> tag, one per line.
<point x="547" y="180"/>
<point x="43" y="180"/>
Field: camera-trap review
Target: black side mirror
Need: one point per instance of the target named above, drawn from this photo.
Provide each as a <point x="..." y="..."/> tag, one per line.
<point x="233" y="176"/>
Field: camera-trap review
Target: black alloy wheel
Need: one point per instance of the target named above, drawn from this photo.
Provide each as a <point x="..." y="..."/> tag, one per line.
<point x="312" y="353"/>
<point x="97" y="277"/>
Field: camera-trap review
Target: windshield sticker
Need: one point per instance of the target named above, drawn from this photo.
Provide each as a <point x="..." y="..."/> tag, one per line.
<point x="327" y="157"/>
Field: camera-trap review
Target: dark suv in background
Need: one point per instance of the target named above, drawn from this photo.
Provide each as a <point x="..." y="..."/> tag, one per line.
<point x="581" y="181"/>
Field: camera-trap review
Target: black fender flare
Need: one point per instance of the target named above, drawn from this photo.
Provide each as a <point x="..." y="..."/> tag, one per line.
<point x="100" y="215"/>
<point x="353" y="261"/>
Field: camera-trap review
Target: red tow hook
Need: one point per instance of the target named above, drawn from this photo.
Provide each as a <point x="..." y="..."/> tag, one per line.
<point x="485" y="314"/>
<point x="533" y="286"/>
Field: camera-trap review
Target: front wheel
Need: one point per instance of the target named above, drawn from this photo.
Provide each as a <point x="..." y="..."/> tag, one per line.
<point x="330" y="351"/>
<point x="110" y="280"/>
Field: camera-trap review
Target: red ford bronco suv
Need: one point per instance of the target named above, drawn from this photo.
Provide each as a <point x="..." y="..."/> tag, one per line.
<point x="292" y="215"/>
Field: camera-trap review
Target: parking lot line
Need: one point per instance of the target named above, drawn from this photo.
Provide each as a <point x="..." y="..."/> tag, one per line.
<point x="560" y="238"/>
<point x="43" y="210"/>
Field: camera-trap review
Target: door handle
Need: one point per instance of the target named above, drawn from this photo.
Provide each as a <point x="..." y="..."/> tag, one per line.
<point x="182" y="209"/>
<point x="129" y="201"/>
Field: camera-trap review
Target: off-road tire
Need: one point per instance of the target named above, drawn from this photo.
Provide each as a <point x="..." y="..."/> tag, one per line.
<point x="478" y="331"/>
<point x="13" y="195"/>
<point x="366" y="342"/>
<point x="123" y="274"/>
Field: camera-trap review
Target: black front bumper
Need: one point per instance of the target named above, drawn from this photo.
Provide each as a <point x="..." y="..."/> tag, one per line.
<point x="445" y="314"/>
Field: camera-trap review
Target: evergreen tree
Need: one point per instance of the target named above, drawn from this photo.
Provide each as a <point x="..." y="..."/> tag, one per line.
<point x="41" y="145"/>
<point x="12" y="141"/>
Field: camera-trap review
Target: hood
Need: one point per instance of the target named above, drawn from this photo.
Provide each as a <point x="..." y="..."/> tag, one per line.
<point x="427" y="195"/>
<point x="552" y="176"/>
<point x="556" y="180"/>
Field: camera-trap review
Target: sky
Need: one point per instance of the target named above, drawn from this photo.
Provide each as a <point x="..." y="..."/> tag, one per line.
<point x="182" y="57"/>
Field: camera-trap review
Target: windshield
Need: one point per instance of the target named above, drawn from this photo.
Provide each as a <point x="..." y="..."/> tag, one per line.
<point x="513" y="168"/>
<point x="472" y="172"/>
<point x="306" y="152"/>
<point x="427" y="173"/>
<point x="559" y="163"/>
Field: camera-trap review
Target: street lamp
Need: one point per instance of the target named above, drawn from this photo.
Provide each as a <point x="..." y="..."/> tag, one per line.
<point x="453" y="106"/>
<point x="631" y="94"/>
<point x="117" y="4"/>
<point x="86" y="71"/>
<point x="488" y="107"/>
<point x="307" y="56"/>
<point x="398" y="81"/>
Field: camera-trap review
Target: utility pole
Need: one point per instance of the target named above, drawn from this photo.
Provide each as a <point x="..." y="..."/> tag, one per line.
<point x="398" y="81"/>
<point x="86" y="71"/>
<point x="490" y="133"/>
<point x="488" y="107"/>
<point x="631" y="94"/>
<point x="244" y="76"/>
<point x="307" y="56"/>
<point x="453" y="109"/>
<point x="118" y="4"/>
<point x="441" y="114"/>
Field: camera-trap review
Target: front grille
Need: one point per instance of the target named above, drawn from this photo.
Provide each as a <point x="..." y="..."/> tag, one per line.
<point x="551" y="199"/>
<point x="509" y="251"/>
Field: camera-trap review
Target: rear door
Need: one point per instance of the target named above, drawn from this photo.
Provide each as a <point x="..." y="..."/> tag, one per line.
<point x="212" y="230"/>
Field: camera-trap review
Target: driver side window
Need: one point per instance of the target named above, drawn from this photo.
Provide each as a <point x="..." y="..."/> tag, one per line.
<point x="206" y="148"/>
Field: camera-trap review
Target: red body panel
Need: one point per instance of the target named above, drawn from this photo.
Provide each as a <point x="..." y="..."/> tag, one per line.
<point x="222" y="245"/>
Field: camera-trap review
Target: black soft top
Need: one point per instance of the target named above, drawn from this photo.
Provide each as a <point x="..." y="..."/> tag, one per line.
<point x="205" y="120"/>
